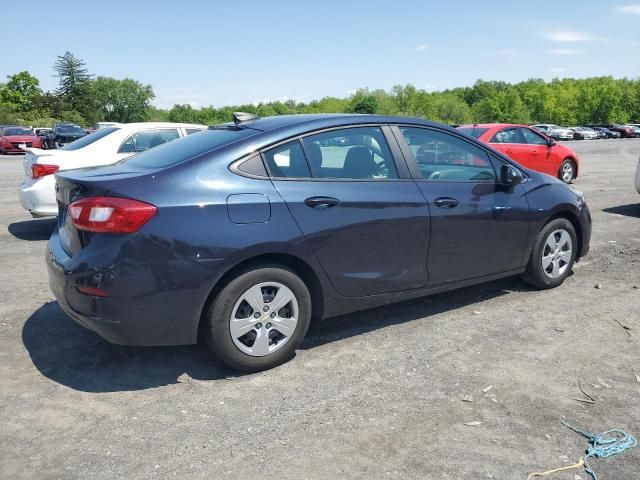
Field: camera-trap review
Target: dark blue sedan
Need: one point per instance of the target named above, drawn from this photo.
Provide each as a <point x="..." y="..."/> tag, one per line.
<point x="248" y="231"/>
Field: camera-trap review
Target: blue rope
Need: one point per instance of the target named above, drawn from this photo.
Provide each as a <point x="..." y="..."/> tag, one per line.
<point x="604" y="445"/>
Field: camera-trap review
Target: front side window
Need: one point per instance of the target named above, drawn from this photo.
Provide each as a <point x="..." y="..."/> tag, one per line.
<point x="533" y="138"/>
<point x="141" y="141"/>
<point x="508" y="135"/>
<point x="350" y="153"/>
<point x="441" y="156"/>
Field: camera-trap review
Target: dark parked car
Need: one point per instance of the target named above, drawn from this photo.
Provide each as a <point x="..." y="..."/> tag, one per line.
<point x="625" y="132"/>
<point x="245" y="232"/>
<point x="61" y="135"/>
<point x="606" y="133"/>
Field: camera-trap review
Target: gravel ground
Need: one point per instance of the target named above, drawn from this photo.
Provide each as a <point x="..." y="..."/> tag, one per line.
<point x="377" y="394"/>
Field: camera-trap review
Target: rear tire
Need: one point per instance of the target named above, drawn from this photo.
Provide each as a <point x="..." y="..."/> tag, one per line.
<point x="553" y="255"/>
<point x="567" y="171"/>
<point x="252" y="343"/>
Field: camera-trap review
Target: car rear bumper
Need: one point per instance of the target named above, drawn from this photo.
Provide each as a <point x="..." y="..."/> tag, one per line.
<point x="155" y="297"/>
<point x="39" y="196"/>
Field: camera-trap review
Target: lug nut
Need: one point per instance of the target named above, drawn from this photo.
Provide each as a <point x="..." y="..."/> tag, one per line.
<point x="258" y="326"/>
<point x="268" y="325"/>
<point x="266" y="309"/>
<point x="256" y="315"/>
<point x="273" y="314"/>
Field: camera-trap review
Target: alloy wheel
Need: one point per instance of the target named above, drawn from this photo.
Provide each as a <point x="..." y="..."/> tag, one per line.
<point x="567" y="172"/>
<point x="264" y="319"/>
<point x="556" y="254"/>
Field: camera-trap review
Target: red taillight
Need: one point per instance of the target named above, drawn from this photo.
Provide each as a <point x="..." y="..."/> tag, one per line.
<point x="39" y="170"/>
<point x="110" y="214"/>
<point x="93" y="291"/>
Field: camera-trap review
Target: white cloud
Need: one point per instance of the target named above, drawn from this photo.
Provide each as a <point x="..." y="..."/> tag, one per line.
<point x="556" y="70"/>
<point x="422" y="48"/>
<point x="634" y="9"/>
<point x="565" y="51"/>
<point x="568" y="36"/>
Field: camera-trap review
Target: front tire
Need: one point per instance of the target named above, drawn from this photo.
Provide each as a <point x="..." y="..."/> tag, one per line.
<point x="553" y="255"/>
<point x="259" y="318"/>
<point x="567" y="171"/>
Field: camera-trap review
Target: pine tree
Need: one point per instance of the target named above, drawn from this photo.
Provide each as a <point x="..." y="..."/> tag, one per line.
<point x="70" y="71"/>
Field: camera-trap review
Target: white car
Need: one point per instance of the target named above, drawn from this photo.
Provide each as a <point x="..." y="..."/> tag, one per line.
<point x="585" y="133"/>
<point x="554" y="131"/>
<point x="103" y="147"/>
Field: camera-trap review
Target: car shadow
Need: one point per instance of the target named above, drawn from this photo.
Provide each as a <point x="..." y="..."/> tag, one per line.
<point x="630" y="210"/>
<point x="40" y="229"/>
<point x="71" y="355"/>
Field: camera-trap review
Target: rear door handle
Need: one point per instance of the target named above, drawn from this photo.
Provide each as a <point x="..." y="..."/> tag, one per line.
<point x="446" y="202"/>
<point x="321" y="202"/>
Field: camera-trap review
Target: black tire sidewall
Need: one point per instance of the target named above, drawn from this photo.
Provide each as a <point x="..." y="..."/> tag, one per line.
<point x="218" y="333"/>
<point x="535" y="274"/>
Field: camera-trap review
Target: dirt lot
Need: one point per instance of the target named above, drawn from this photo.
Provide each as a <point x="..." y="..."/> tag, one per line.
<point x="378" y="394"/>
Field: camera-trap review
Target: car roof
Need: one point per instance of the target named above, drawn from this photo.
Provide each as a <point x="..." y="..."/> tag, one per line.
<point x="311" y="121"/>
<point x="139" y="125"/>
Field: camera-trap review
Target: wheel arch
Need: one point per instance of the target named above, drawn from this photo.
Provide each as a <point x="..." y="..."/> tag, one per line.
<point x="573" y="219"/>
<point x="295" y="263"/>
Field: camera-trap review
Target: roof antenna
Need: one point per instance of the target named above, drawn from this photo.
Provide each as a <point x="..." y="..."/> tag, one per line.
<point x="241" y="117"/>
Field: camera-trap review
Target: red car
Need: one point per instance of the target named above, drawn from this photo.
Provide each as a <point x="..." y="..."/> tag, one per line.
<point x="528" y="147"/>
<point x="14" y="139"/>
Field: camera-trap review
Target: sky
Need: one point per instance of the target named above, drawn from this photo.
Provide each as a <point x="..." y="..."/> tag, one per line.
<point x="224" y="53"/>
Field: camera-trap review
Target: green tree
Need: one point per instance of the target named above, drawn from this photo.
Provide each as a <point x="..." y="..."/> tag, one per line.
<point x="363" y="102"/>
<point x="120" y="100"/>
<point x="71" y="73"/>
<point x="22" y="91"/>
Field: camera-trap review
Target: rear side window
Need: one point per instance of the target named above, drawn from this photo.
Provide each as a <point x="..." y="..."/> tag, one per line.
<point x="441" y="156"/>
<point x="287" y="161"/>
<point x="189" y="131"/>
<point x="185" y="148"/>
<point x="141" y="141"/>
<point x="508" y="135"/>
<point x="358" y="153"/>
<point x="89" y="139"/>
<point x="473" y="131"/>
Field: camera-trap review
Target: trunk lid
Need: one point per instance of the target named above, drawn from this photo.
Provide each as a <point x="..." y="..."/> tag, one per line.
<point x="72" y="185"/>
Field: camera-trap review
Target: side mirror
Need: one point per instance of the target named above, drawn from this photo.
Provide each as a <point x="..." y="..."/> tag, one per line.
<point x="510" y="176"/>
<point x="551" y="142"/>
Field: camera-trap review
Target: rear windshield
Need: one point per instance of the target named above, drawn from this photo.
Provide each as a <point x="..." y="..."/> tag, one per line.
<point x="474" y="132"/>
<point x="89" y="139"/>
<point x="188" y="147"/>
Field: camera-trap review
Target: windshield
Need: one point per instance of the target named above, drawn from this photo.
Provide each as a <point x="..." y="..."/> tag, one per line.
<point x="69" y="130"/>
<point x="89" y="139"/>
<point x="473" y="131"/>
<point x="17" y="131"/>
<point x="178" y="151"/>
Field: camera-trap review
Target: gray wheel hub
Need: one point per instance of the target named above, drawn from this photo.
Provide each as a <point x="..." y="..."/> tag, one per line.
<point x="556" y="253"/>
<point x="264" y="318"/>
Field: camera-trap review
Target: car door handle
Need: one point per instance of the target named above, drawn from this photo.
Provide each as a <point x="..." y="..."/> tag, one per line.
<point x="321" y="202"/>
<point x="508" y="150"/>
<point x="446" y="202"/>
<point x="534" y="152"/>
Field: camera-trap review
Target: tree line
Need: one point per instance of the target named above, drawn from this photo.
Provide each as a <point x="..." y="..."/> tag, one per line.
<point x="85" y="99"/>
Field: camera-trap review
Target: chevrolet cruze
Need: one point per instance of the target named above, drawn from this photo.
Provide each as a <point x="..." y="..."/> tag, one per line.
<point x="246" y="232"/>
